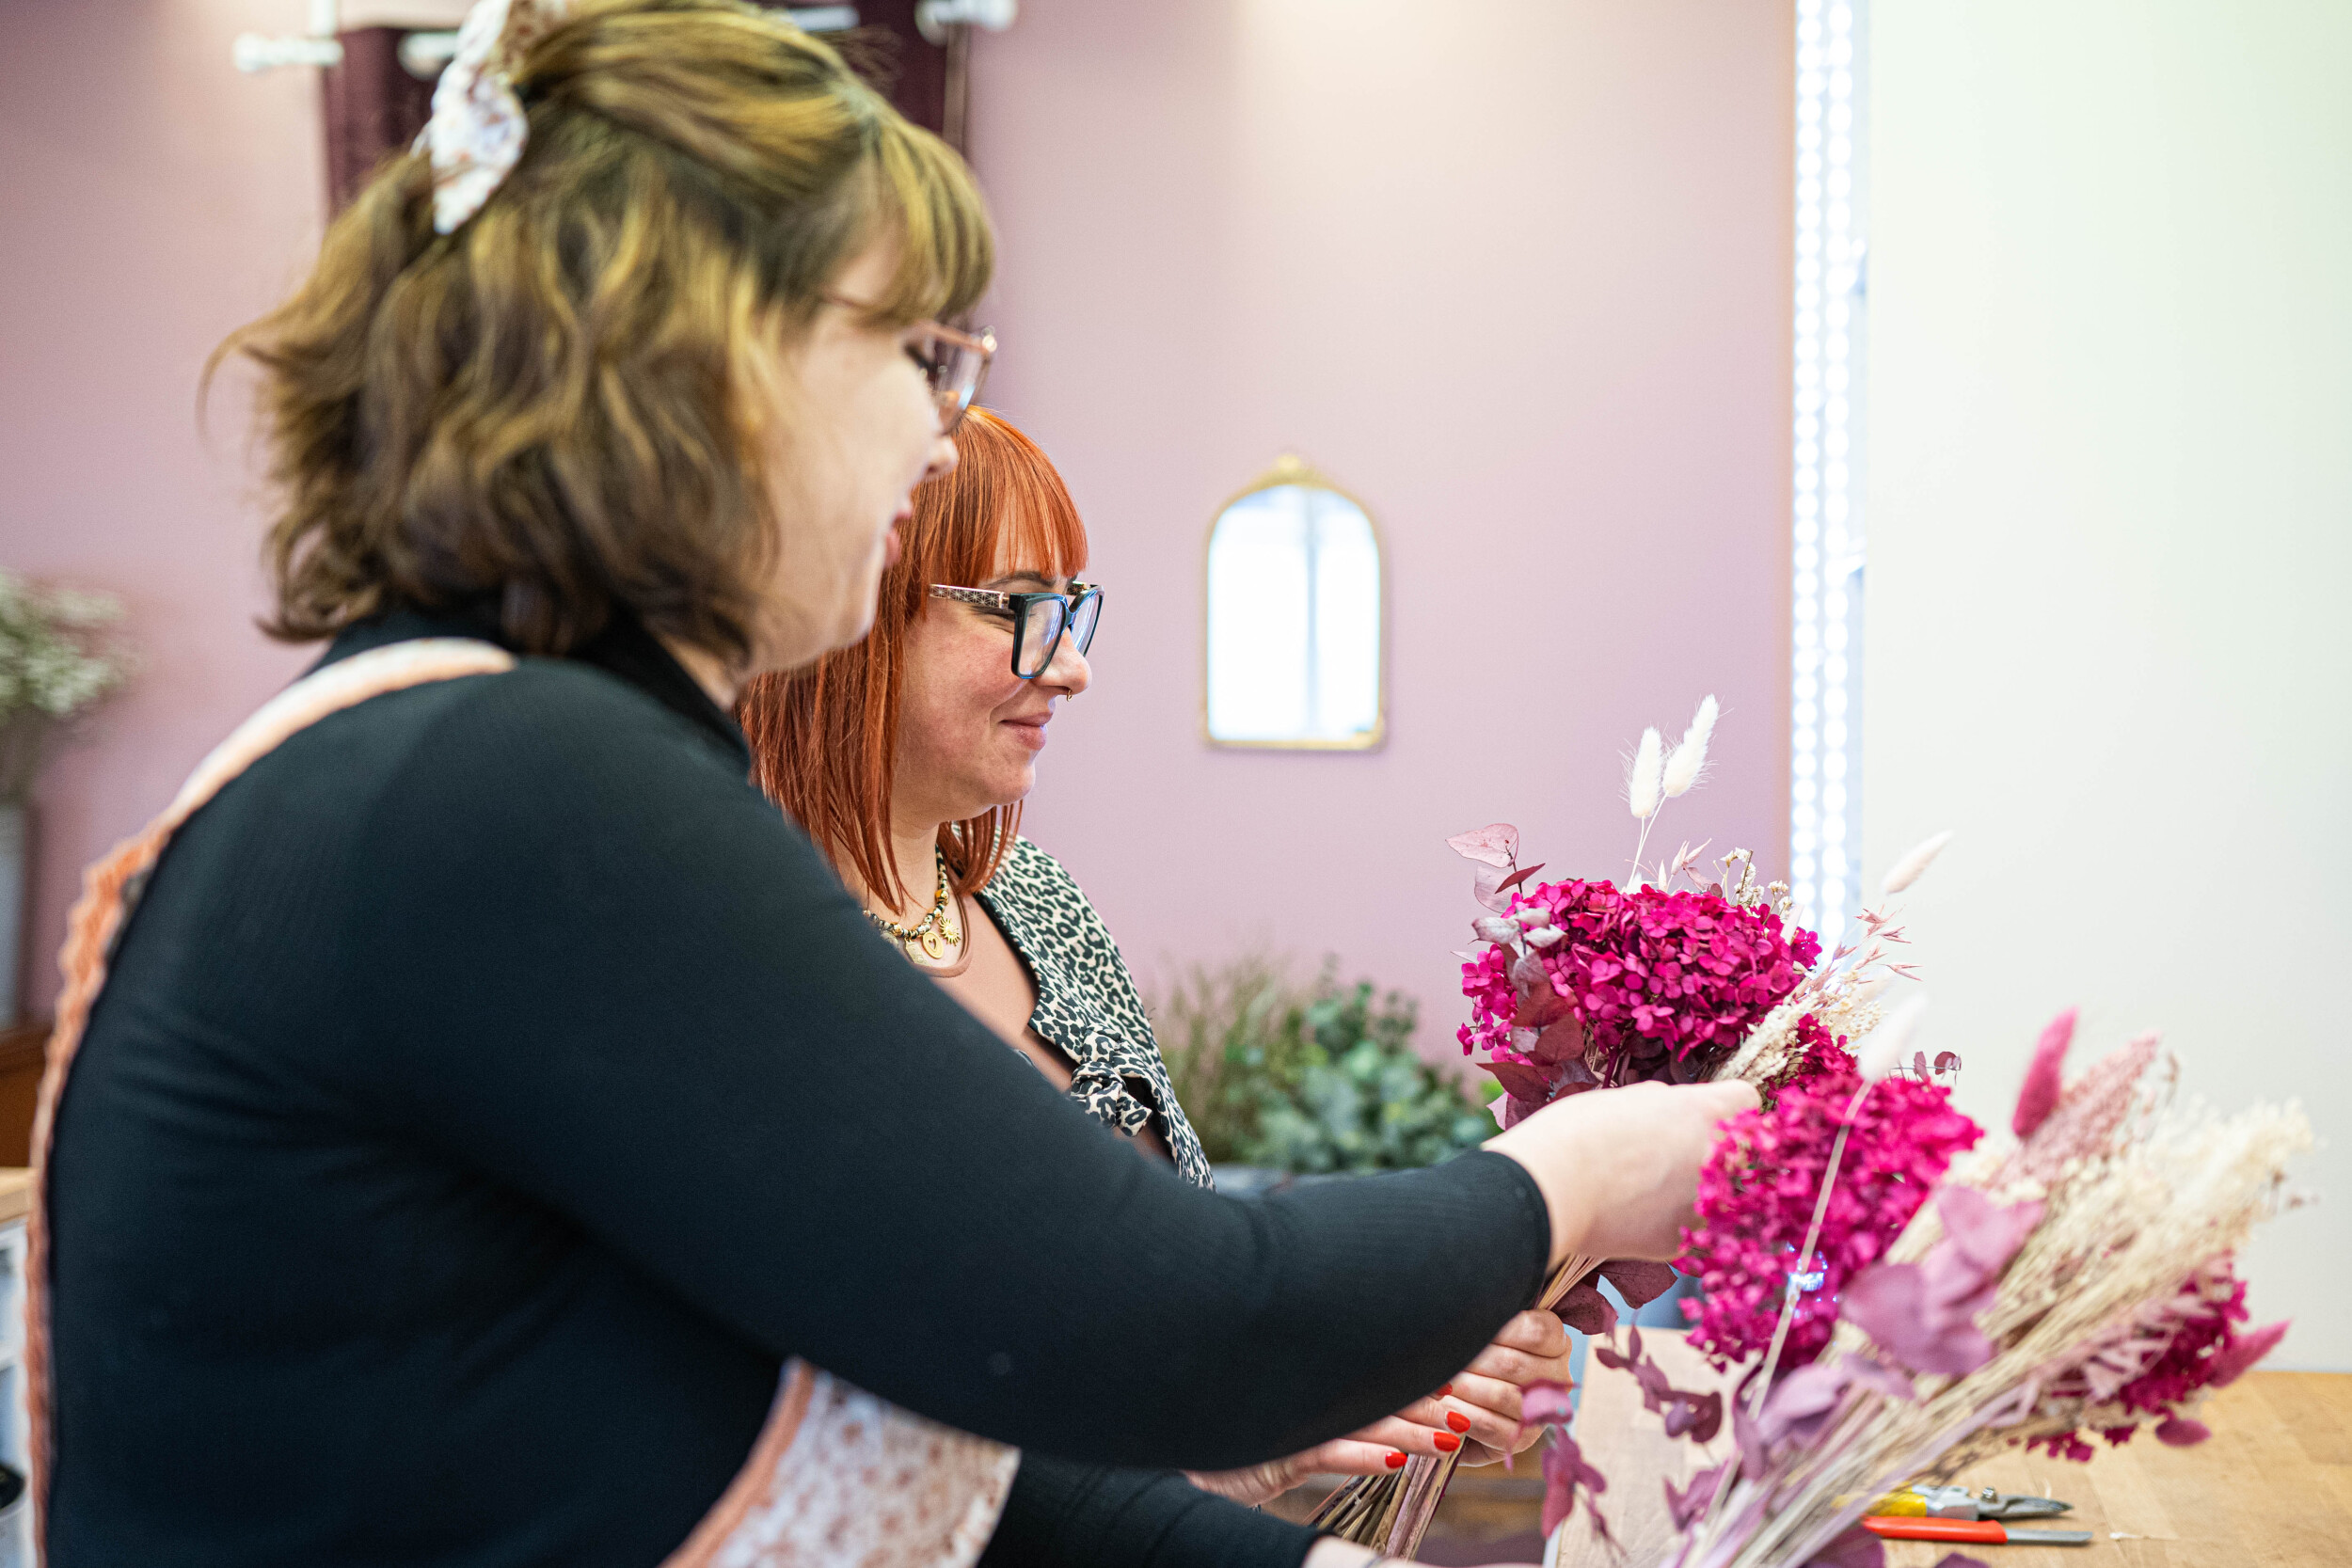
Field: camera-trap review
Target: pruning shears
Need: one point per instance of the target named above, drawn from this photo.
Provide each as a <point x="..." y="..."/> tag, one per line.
<point x="1959" y="1502"/>
<point x="1957" y="1513"/>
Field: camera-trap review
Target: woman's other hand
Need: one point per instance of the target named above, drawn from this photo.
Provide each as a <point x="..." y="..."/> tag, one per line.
<point x="1618" y="1168"/>
<point x="1484" y="1404"/>
<point x="1477" y="1414"/>
<point x="1420" y="1427"/>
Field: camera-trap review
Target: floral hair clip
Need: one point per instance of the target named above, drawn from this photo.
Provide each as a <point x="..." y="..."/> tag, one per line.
<point x="478" y="129"/>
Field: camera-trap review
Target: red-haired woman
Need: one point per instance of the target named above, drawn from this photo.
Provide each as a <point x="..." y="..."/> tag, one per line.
<point x="907" y="758"/>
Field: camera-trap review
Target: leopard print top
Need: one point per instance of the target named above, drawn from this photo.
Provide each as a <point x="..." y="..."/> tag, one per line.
<point x="1087" y="1003"/>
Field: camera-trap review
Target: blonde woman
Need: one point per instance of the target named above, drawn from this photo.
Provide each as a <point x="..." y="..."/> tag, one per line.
<point x="462" y="1144"/>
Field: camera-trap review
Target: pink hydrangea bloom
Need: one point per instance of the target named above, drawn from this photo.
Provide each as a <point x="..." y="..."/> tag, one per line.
<point x="1758" y="1194"/>
<point x="1663" y="984"/>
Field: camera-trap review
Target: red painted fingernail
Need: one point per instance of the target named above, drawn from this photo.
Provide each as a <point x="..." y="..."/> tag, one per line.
<point x="1459" y="1421"/>
<point x="1396" y="1460"/>
<point x="1444" y="1391"/>
<point x="1446" y="1442"/>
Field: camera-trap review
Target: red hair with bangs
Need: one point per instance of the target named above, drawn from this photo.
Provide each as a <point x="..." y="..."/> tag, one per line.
<point x="825" y="739"/>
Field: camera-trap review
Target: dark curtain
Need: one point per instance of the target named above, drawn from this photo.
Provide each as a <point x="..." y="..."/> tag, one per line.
<point x="374" y="107"/>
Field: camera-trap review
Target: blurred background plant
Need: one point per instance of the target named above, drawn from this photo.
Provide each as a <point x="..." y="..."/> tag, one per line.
<point x="54" y="665"/>
<point x="1319" y="1080"/>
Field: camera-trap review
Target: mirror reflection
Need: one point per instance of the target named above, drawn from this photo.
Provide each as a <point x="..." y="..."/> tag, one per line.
<point x="1294" y="621"/>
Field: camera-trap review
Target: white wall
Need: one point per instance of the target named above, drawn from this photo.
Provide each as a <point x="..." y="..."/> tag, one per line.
<point x="2111" y="480"/>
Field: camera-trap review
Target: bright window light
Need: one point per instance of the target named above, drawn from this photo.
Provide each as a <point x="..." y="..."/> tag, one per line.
<point x="1826" y="524"/>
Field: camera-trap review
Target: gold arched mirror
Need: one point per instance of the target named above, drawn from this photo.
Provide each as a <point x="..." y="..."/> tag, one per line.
<point x="1296" y="627"/>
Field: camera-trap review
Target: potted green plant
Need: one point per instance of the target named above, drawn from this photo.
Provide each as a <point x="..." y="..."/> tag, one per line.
<point x="55" y="667"/>
<point x="1284" y="1082"/>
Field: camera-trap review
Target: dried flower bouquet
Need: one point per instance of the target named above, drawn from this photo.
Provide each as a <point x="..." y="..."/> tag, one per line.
<point x="1583" y="985"/>
<point x="1888" y="1299"/>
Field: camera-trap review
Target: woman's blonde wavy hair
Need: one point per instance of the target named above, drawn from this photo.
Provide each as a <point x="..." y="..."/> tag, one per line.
<point x="554" y="409"/>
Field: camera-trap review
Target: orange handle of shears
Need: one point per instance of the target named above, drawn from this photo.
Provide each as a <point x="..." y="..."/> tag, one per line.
<point x="1988" y="1531"/>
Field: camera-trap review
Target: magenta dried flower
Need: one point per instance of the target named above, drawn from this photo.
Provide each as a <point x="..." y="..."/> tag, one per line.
<point x="2196" y="1346"/>
<point x="1757" y="1198"/>
<point x="1658" y="985"/>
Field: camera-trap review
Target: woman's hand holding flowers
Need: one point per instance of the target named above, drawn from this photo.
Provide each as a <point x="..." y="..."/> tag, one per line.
<point x="1532" y="1348"/>
<point x="1477" y="1414"/>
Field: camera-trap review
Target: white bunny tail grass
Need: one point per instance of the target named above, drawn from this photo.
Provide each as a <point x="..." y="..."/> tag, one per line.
<point x="1690" y="758"/>
<point x="1647" y="774"/>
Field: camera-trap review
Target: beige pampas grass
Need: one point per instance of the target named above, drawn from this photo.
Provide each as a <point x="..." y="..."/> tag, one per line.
<point x="1909" y="868"/>
<point x="1645" y="778"/>
<point x="2159" y="1199"/>
<point x="1683" y="768"/>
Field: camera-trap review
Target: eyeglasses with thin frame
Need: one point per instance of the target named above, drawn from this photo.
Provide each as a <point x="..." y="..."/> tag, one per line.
<point x="1040" y="621"/>
<point x="954" y="363"/>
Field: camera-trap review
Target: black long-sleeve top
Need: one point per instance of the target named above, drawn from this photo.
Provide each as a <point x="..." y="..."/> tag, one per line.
<point x="492" y="1088"/>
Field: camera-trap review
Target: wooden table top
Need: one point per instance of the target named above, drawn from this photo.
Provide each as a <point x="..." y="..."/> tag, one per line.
<point x="16" y="1192"/>
<point x="2272" y="1488"/>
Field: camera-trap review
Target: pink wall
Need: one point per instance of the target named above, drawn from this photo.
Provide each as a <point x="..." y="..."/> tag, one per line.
<point x="151" y="199"/>
<point x="1520" y="281"/>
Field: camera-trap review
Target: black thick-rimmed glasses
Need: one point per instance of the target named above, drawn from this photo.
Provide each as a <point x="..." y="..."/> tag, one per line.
<point x="1040" y="621"/>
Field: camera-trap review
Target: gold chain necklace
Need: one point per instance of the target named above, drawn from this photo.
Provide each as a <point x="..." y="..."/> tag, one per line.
<point x="935" y="935"/>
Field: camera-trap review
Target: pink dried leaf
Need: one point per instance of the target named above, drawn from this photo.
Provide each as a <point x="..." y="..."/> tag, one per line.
<point x="1486" y="887"/>
<point x="1564" y="1472"/>
<point x="1987" y="1234"/>
<point x="2182" y="1432"/>
<point x="1545" y="1402"/>
<point x="2044" y="1077"/>
<point x="1688" y="1504"/>
<point x="1521" y="1079"/>
<point x="1515" y="1110"/>
<point x="1560" y="1043"/>
<point x="2232" y="1361"/>
<point x="1889" y="1302"/>
<point x="1640" y="1280"/>
<point x="1587" y="1311"/>
<point x="1496" y="843"/>
<point x="1518" y="876"/>
<point x="1801" y="1402"/>
<point x="1540" y="1007"/>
